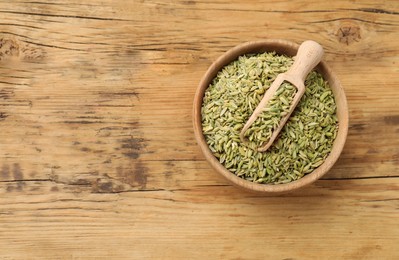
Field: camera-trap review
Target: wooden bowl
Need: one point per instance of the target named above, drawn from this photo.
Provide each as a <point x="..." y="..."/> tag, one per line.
<point x="280" y="47"/>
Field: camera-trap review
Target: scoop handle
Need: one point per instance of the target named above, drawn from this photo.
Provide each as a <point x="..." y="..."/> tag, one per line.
<point x="308" y="56"/>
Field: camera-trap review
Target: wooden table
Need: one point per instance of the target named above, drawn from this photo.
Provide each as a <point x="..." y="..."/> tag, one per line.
<point x="98" y="158"/>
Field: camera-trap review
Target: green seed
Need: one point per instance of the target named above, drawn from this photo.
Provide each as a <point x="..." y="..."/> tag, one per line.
<point x="324" y="95"/>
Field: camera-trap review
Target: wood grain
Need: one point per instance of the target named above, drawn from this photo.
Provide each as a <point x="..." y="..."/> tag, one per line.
<point x="97" y="153"/>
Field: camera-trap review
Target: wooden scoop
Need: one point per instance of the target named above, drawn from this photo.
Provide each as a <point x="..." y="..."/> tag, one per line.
<point x="308" y="56"/>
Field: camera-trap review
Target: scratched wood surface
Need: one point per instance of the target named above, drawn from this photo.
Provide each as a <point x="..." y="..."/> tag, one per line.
<point x="97" y="153"/>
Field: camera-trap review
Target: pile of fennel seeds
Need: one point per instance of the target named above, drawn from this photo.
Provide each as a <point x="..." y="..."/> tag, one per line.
<point x="304" y="142"/>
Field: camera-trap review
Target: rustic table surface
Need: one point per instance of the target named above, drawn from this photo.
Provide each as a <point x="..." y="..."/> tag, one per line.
<point x="97" y="153"/>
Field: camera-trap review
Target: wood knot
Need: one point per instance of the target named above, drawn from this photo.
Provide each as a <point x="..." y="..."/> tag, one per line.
<point x="8" y="48"/>
<point x="348" y="34"/>
<point x="13" y="48"/>
<point x="3" y="116"/>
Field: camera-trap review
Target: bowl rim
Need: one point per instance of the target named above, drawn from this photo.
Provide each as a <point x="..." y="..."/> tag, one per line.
<point x="282" y="47"/>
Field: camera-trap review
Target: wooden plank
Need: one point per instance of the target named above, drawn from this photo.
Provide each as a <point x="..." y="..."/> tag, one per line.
<point x="120" y="70"/>
<point x="97" y="152"/>
<point x="57" y="220"/>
